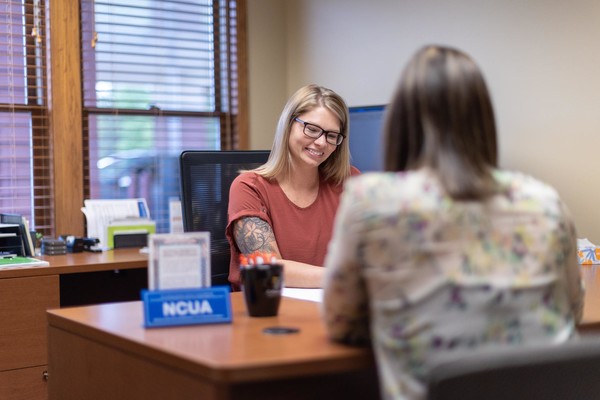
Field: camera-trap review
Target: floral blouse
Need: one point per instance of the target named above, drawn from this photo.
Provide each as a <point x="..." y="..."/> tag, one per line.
<point x="424" y="277"/>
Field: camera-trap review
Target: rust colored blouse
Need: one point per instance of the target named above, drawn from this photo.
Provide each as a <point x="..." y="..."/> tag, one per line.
<point x="302" y="234"/>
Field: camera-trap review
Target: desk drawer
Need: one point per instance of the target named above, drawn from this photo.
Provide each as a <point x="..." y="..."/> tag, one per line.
<point x="23" y="305"/>
<point x="24" y="384"/>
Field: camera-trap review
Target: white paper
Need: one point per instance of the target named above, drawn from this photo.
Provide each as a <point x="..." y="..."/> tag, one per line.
<point x="175" y="216"/>
<point x="304" y="294"/>
<point x="584" y="243"/>
<point x="100" y="213"/>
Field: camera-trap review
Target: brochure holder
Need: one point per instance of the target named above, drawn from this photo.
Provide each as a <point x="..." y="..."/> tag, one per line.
<point x="179" y="282"/>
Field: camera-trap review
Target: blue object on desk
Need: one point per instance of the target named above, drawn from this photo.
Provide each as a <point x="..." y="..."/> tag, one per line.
<point x="186" y="306"/>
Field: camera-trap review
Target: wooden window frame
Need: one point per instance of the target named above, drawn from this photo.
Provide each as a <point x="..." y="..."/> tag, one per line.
<point x="65" y="110"/>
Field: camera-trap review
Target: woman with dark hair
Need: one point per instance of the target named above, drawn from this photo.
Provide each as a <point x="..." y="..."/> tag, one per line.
<point x="287" y="206"/>
<point x="446" y="253"/>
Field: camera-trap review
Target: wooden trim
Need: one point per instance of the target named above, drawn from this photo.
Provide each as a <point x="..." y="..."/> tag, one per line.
<point x="65" y="116"/>
<point x="243" y="122"/>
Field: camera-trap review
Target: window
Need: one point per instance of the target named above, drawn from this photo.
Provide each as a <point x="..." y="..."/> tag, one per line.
<point x="156" y="81"/>
<point x="133" y="84"/>
<point x="25" y="160"/>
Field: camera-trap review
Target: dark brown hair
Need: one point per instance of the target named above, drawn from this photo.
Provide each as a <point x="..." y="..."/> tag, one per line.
<point x="441" y="117"/>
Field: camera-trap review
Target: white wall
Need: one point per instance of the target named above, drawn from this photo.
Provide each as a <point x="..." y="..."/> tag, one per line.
<point x="266" y="68"/>
<point x="540" y="57"/>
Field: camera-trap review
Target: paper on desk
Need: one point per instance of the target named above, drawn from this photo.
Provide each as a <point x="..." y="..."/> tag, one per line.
<point x="304" y="294"/>
<point x="100" y="213"/>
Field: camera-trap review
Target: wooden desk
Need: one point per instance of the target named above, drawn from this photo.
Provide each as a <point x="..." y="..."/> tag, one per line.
<point x="590" y="322"/>
<point x="25" y="295"/>
<point x="81" y="262"/>
<point x="103" y="352"/>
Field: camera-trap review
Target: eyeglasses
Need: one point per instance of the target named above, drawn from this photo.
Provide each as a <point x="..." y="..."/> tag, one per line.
<point x="315" y="132"/>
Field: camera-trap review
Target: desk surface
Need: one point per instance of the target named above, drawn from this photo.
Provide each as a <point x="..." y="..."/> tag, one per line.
<point x="81" y="262"/>
<point x="132" y="258"/>
<point x="233" y="353"/>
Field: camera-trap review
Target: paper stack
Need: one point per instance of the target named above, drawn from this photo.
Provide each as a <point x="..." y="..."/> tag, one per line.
<point x="107" y="218"/>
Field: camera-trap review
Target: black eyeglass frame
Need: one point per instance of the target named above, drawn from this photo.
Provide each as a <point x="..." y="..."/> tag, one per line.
<point x="323" y="132"/>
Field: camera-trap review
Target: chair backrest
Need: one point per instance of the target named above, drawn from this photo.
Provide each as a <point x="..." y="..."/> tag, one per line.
<point x="566" y="371"/>
<point x="205" y="180"/>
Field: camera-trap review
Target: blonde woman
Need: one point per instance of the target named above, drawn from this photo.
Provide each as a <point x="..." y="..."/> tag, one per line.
<point x="287" y="206"/>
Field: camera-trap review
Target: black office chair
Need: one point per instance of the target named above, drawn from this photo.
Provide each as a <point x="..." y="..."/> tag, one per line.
<point x="559" y="372"/>
<point x="205" y="180"/>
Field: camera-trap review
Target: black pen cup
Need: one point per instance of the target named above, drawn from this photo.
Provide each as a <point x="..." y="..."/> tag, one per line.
<point x="262" y="285"/>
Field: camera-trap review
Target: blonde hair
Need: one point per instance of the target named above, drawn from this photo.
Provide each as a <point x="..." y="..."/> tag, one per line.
<point x="337" y="167"/>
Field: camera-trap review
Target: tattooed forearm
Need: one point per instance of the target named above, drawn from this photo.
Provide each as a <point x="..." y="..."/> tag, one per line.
<point x="253" y="234"/>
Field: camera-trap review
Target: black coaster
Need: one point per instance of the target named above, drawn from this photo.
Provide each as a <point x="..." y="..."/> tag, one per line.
<point x="280" y="330"/>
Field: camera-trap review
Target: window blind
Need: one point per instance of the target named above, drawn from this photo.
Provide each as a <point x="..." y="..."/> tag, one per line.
<point x="25" y="158"/>
<point x="159" y="77"/>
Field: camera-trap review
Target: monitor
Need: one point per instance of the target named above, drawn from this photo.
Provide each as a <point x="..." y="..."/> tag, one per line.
<point x="366" y="126"/>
